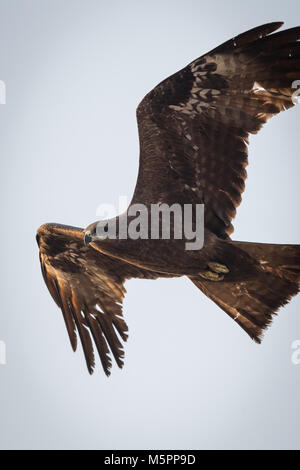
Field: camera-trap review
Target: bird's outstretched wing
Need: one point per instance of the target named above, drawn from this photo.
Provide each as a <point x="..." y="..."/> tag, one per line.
<point x="88" y="287"/>
<point x="194" y="125"/>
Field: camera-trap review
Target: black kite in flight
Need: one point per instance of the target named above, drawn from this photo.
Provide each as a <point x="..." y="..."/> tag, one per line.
<point x="193" y="130"/>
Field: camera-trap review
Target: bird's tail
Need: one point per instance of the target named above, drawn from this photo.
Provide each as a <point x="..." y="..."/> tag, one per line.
<point x="262" y="278"/>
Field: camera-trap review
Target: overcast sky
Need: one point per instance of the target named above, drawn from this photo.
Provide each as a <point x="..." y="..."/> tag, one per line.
<point x="75" y="72"/>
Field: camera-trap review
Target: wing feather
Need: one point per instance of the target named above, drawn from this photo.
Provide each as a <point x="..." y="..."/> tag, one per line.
<point x="194" y="126"/>
<point x="89" y="288"/>
<point x="80" y="279"/>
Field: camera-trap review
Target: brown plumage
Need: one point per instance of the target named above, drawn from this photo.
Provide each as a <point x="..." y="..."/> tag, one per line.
<point x="193" y="130"/>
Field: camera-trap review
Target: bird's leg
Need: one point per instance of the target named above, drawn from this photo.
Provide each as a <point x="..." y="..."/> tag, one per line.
<point x="217" y="267"/>
<point x="215" y="271"/>
<point x="211" y="276"/>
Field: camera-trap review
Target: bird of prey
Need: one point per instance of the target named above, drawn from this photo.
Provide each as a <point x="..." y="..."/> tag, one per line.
<point x="193" y="131"/>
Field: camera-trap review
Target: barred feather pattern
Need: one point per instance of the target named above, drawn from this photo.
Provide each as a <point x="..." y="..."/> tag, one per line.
<point x="194" y="126"/>
<point x="89" y="289"/>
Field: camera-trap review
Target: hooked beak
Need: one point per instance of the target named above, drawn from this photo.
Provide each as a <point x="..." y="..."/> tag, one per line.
<point x="88" y="238"/>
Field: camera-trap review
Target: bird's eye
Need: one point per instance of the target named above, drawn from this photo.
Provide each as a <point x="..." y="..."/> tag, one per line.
<point x="106" y="228"/>
<point x="87" y="238"/>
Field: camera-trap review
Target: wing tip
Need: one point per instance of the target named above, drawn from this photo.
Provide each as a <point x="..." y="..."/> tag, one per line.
<point x="74" y="344"/>
<point x="275" y="24"/>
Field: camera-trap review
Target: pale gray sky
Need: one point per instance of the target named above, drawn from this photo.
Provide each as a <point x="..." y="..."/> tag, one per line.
<point x="75" y="72"/>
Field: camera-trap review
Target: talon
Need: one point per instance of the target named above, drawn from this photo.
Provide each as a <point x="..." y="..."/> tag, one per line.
<point x="218" y="268"/>
<point x="211" y="276"/>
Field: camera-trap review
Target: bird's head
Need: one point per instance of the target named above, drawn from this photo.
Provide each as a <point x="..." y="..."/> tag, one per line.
<point x="96" y="232"/>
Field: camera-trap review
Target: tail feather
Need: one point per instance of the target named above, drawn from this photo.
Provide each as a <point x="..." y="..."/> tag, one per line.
<point x="262" y="279"/>
<point x="282" y="260"/>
